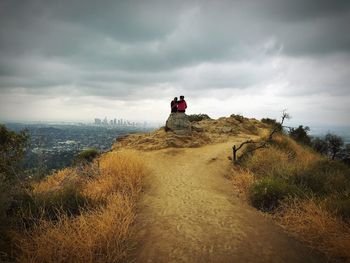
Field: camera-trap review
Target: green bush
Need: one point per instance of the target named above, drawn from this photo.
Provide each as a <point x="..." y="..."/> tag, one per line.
<point x="48" y="205"/>
<point x="300" y="134"/>
<point x="238" y="117"/>
<point x="324" y="177"/>
<point x="267" y="193"/>
<point x="68" y="200"/>
<point x="273" y="123"/>
<point x="198" y="117"/>
<point x="86" y="156"/>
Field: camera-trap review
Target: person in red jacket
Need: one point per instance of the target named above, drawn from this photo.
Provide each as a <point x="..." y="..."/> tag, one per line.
<point x="181" y="105"/>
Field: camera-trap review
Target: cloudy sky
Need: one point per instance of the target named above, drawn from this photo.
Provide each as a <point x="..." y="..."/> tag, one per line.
<point x="80" y="59"/>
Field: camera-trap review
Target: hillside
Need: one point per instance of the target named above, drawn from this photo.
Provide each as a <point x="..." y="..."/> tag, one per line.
<point x="162" y="197"/>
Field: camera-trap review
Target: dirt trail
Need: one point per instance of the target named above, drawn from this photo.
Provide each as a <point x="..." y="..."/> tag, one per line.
<point x="189" y="213"/>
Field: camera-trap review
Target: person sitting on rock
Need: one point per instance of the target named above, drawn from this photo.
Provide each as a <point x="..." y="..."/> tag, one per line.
<point x="181" y="105"/>
<point x="173" y="105"/>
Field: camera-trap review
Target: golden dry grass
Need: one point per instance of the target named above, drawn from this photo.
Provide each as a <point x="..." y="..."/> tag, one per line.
<point x="95" y="236"/>
<point x="285" y="159"/>
<point x="99" y="234"/>
<point x="242" y="180"/>
<point x="317" y="227"/>
<point x="119" y="172"/>
<point x="55" y="181"/>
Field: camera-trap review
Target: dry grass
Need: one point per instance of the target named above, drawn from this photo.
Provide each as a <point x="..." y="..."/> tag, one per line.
<point x="284" y="159"/>
<point x="242" y="180"/>
<point x="99" y="234"/>
<point x="308" y="174"/>
<point x="55" y="181"/>
<point x="95" y="236"/>
<point x="119" y="171"/>
<point x="317" y="227"/>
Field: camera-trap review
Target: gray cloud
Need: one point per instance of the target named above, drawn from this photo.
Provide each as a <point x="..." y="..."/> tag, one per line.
<point x="133" y="50"/>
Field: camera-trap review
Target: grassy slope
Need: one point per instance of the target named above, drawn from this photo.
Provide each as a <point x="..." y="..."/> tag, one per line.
<point x="88" y="212"/>
<point x="307" y="194"/>
<point x="99" y="229"/>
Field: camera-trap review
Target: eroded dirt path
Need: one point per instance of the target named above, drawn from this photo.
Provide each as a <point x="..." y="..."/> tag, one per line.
<point x="189" y="213"/>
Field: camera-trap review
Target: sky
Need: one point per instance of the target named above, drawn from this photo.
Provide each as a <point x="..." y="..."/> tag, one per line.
<point x="80" y="59"/>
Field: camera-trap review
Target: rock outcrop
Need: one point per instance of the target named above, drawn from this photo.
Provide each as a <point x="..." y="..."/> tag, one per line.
<point x="190" y="135"/>
<point x="179" y="124"/>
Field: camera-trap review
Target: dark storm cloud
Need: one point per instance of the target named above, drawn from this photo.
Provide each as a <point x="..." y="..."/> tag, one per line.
<point x="116" y="48"/>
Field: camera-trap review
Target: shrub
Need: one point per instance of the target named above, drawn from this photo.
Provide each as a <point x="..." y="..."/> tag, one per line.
<point x="335" y="144"/>
<point x="268" y="162"/>
<point x="300" y="134"/>
<point x="267" y="193"/>
<point x="238" y="117"/>
<point x="320" y="146"/>
<point x="273" y="123"/>
<point x="323" y="177"/>
<point x="86" y="156"/>
<point x="198" y="117"/>
<point x="67" y="200"/>
<point x="251" y="128"/>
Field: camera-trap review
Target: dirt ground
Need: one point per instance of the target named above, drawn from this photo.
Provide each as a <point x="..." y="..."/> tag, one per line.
<point x="190" y="213"/>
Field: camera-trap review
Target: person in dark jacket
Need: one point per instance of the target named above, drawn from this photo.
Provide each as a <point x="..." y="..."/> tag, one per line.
<point x="173" y="105"/>
<point x="182" y="105"/>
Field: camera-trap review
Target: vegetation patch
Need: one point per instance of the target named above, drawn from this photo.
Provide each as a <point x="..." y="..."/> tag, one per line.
<point x="266" y="194"/>
<point x="307" y="193"/>
<point x="198" y="117"/>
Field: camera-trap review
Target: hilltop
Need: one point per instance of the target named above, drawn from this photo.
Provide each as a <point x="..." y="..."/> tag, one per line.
<point x="204" y="132"/>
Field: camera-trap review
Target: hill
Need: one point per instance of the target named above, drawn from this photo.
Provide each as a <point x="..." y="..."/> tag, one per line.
<point x="163" y="197"/>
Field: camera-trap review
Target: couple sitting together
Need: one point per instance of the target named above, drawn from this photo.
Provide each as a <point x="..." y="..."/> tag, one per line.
<point x="178" y="105"/>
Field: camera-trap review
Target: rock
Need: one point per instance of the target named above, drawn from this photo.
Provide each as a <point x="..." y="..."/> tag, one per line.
<point x="197" y="128"/>
<point x="226" y="129"/>
<point x="178" y="123"/>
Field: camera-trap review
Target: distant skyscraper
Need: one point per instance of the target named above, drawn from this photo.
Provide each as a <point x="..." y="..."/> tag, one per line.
<point x="98" y="121"/>
<point x="115" y="121"/>
<point x="105" y="121"/>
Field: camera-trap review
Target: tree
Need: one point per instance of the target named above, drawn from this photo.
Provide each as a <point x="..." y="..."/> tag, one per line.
<point x="255" y="145"/>
<point x="12" y="149"/>
<point x="273" y="123"/>
<point x="300" y="134"/>
<point x="335" y="144"/>
<point x="320" y="146"/>
<point x="345" y="154"/>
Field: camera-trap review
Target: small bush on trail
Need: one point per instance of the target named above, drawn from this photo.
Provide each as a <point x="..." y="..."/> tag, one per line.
<point x="86" y="156"/>
<point x="273" y="123"/>
<point x="300" y="134"/>
<point x="238" y="117"/>
<point x="267" y="193"/>
<point x="198" y="117"/>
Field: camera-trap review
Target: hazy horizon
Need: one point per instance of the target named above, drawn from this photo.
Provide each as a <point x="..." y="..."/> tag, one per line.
<point x="77" y="60"/>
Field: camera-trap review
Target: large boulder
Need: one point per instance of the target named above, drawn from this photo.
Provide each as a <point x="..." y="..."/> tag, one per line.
<point x="178" y="123"/>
